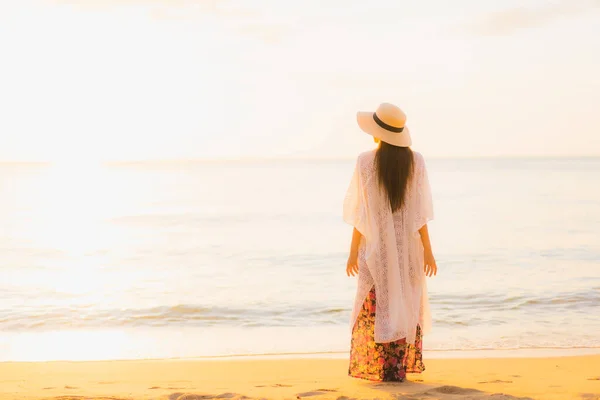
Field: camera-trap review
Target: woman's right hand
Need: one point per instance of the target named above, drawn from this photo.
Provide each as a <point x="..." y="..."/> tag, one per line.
<point x="430" y="265"/>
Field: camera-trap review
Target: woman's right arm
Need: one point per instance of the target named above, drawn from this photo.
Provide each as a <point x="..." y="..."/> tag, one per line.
<point x="430" y="265"/>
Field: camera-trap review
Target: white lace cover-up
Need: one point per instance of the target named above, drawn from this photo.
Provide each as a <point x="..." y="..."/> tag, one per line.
<point x="391" y="251"/>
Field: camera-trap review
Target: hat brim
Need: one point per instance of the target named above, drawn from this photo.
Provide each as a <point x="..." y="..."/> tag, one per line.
<point x="368" y="125"/>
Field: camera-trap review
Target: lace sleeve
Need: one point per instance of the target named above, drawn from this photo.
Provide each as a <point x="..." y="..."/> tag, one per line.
<point x="424" y="201"/>
<point x="354" y="203"/>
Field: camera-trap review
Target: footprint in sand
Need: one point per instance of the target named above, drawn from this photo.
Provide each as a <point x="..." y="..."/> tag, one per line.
<point x="86" y="398"/>
<point x="169" y="388"/>
<point x="277" y="385"/>
<point x="496" y="381"/>
<point x="471" y="393"/>
<point x="452" y="390"/>
<point x="594" y="379"/>
<point x="184" y="396"/>
<point x="317" y="392"/>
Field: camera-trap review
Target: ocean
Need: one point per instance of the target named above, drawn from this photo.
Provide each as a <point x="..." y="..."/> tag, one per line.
<point x="235" y="258"/>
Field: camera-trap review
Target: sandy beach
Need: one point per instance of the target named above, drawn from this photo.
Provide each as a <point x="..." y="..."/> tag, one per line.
<point x="502" y="378"/>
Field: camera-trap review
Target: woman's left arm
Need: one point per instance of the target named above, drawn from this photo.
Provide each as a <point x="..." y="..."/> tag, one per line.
<point x="352" y="265"/>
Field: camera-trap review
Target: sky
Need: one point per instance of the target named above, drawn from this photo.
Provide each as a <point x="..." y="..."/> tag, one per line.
<point x="107" y="80"/>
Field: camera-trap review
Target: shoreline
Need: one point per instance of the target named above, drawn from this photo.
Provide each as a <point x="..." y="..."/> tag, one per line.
<point x="552" y="378"/>
<point x="427" y="354"/>
<point x="338" y="355"/>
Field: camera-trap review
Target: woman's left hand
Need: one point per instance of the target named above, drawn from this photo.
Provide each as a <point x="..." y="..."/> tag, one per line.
<point x="352" y="265"/>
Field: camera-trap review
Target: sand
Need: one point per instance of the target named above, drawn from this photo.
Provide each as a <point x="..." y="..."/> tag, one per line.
<point x="538" y="378"/>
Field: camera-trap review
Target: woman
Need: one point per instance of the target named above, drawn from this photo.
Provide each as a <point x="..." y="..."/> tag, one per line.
<point x="389" y="204"/>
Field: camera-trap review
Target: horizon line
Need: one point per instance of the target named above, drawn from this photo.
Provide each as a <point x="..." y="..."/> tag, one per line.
<point x="287" y="158"/>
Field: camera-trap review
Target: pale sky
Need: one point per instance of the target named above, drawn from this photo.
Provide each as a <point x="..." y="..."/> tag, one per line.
<point x="100" y="80"/>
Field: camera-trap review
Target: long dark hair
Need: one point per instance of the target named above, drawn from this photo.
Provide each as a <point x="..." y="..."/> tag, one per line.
<point x="394" y="170"/>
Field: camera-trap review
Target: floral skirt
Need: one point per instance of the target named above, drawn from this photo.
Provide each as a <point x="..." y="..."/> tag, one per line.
<point x="381" y="361"/>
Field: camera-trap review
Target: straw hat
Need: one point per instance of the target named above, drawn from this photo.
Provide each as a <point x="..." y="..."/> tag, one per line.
<point x="387" y="124"/>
